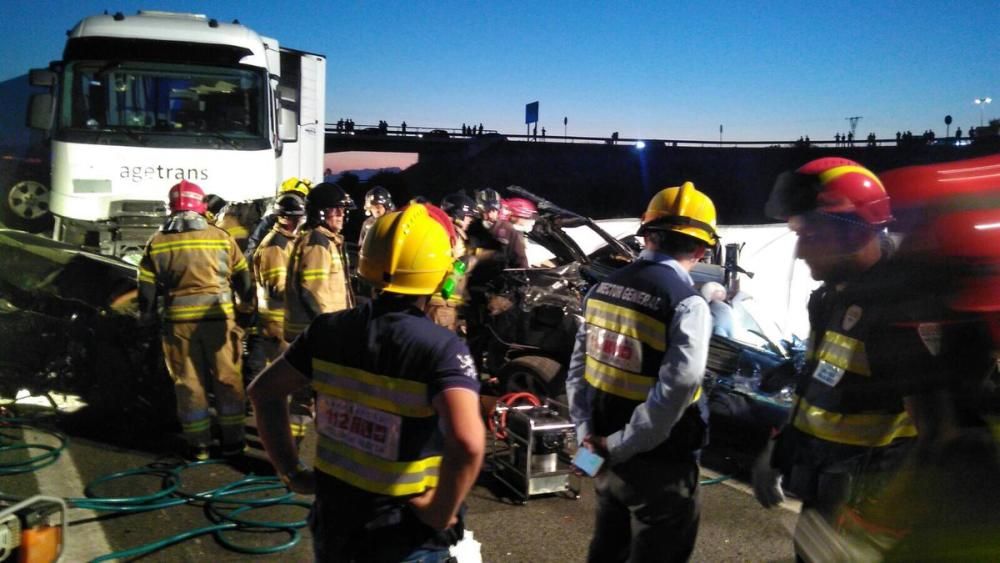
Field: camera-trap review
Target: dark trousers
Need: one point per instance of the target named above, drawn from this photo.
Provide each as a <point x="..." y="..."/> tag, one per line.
<point x="348" y="527"/>
<point x="647" y="510"/>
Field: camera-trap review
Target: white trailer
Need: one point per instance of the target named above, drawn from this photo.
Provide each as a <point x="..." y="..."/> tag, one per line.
<point x="138" y="103"/>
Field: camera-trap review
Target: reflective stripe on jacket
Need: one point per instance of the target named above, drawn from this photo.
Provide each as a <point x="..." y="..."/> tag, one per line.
<point x="192" y="270"/>
<point x="848" y="396"/>
<point x="394" y="410"/>
<point x="317" y="280"/>
<point x="270" y="265"/>
<point x="375" y="370"/>
<point x="627" y="336"/>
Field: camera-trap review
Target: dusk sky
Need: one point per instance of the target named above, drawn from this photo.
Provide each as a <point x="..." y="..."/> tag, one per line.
<point x="765" y="70"/>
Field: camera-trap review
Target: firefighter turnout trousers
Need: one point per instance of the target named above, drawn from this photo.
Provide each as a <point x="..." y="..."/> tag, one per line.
<point x="202" y="354"/>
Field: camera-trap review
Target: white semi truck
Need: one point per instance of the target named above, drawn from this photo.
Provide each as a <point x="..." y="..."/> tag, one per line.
<point x="138" y="103"/>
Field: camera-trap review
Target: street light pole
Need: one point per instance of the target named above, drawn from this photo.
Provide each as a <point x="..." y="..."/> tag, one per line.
<point x="981" y="102"/>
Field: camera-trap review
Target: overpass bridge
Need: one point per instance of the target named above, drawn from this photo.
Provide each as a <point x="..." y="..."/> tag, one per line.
<point x="434" y="139"/>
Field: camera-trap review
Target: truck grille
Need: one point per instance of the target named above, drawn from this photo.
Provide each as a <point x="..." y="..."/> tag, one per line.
<point x="138" y="207"/>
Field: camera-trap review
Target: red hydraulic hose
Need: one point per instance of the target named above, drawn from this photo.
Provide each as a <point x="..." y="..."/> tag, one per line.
<point x="499" y="427"/>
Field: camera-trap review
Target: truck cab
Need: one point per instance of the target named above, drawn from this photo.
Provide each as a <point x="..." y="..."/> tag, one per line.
<point x="138" y="103"/>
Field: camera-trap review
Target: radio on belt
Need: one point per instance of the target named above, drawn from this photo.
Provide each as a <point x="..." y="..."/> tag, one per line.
<point x="532" y="451"/>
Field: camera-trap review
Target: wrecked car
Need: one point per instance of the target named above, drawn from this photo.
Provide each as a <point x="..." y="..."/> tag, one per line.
<point x="522" y="322"/>
<point x="68" y="326"/>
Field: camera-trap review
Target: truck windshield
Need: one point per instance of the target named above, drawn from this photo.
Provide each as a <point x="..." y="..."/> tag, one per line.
<point x="164" y="105"/>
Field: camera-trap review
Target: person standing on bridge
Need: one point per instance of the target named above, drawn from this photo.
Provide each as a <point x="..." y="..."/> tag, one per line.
<point x="196" y="267"/>
<point x="400" y="435"/>
<point x="634" y="386"/>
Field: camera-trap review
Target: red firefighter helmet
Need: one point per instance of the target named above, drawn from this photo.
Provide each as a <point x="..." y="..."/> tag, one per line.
<point x="831" y="185"/>
<point x="521" y="208"/>
<point x="187" y="196"/>
<point x="951" y="213"/>
<point x="439" y="215"/>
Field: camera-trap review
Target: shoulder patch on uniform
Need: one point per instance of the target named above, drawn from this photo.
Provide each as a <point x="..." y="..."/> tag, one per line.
<point x="467" y="364"/>
<point x="930" y="335"/>
<point x="851" y="317"/>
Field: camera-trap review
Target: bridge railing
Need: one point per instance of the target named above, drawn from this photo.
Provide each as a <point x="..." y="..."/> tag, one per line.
<point x="458" y="134"/>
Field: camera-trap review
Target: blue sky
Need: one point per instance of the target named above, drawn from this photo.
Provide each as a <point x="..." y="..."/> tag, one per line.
<point x="765" y="70"/>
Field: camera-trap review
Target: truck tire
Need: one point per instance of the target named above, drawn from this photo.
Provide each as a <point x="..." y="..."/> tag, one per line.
<point x="25" y="205"/>
<point x="538" y="375"/>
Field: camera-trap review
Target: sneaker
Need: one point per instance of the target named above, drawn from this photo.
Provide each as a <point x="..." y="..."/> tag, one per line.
<point x="234" y="450"/>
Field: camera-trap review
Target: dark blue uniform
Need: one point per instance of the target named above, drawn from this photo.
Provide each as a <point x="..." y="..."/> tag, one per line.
<point x="635" y="377"/>
<point x="375" y="370"/>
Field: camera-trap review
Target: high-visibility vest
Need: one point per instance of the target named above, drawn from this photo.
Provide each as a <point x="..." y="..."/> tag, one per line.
<point x="627" y="319"/>
<point x="841" y="399"/>
<point x="377" y="430"/>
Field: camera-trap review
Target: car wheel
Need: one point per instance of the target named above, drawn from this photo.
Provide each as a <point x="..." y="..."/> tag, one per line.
<point x="538" y="375"/>
<point x="25" y="206"/>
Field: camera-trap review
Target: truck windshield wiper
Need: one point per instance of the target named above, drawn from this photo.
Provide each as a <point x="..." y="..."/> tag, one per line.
<point x="132" y="133"/>
<point x="222" y="136"/>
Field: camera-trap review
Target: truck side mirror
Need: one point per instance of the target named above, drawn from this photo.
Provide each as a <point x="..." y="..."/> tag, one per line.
<point x="40" y="111"/>
<point x="41" y="77"/>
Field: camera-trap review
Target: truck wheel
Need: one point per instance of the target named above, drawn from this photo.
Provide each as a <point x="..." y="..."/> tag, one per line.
<point x="25" y="206"/>
<point x="538" y="375"/>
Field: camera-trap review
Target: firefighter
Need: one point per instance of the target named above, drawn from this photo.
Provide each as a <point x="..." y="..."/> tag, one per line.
<point x="214" y="204"/>
<point x="378" y="201"/>
<point x="237" y="218"/>
<point x="634" y="385"/>
<point x="461" y="208"/>
<point x="300" y="186"/>
<point x="400" y="436"/>
<point x="944" y="497"/>
<point x="443" y="308"/>
<point x="849" y="429"/>
<point x="493" y="238"/>
<point x="522" y="213"/>
<point x="318" y="271"/>
<point x="256" y="349"/>
<point x="196" y="267"/>
<point x="270" y="263"/>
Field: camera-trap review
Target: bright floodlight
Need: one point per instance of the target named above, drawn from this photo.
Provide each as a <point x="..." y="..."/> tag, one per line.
<point x="981" y="102"/>
<point x="640" y="145"/>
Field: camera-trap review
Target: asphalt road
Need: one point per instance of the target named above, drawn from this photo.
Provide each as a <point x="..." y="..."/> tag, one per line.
<point x="554" y="528"/>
